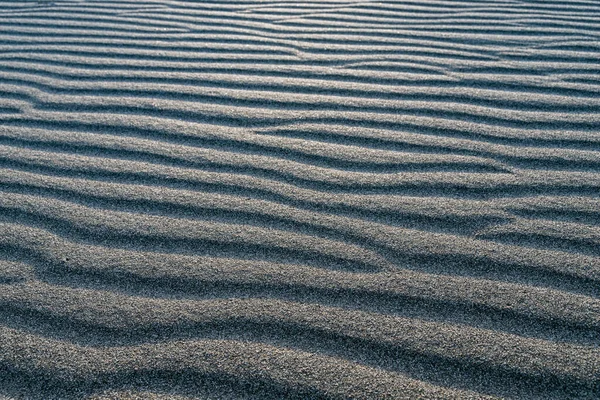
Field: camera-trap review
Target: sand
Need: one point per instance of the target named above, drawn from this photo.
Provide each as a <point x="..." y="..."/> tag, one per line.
<point x="316" y="200"/>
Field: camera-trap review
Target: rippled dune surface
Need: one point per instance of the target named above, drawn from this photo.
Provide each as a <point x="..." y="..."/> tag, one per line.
<point x="320" y="199"/>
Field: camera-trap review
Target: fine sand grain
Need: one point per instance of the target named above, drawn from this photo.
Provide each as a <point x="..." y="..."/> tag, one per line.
<point x="328" y="199"/>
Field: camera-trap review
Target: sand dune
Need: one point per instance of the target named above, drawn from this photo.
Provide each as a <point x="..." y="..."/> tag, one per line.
<point x="317" y="199"/>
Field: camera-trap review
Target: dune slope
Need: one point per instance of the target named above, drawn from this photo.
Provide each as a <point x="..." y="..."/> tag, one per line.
<point x="316" y="199"/>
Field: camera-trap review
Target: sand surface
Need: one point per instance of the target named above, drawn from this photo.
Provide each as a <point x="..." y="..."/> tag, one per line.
<point x="318" y="199"/>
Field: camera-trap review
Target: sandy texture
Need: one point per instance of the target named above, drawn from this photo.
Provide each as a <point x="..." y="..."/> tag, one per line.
<point x="316" y="200"/>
